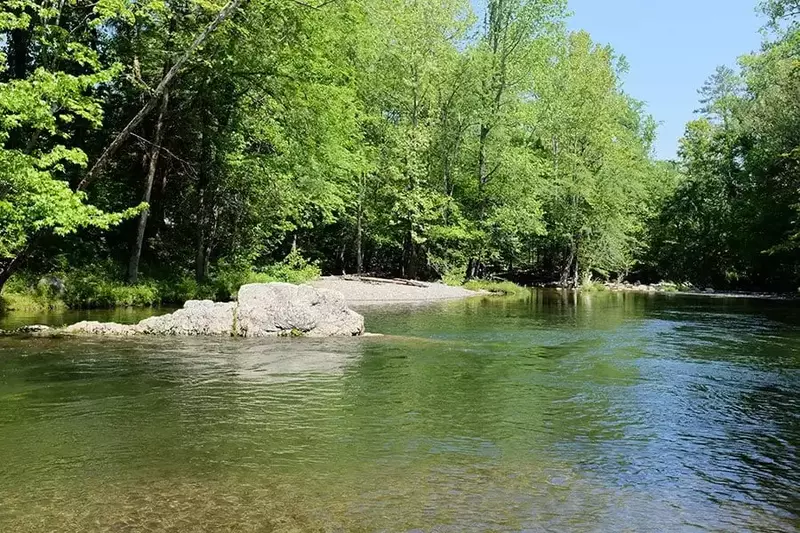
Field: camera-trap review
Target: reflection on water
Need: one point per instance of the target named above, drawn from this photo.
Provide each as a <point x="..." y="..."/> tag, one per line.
<point x="553" y="412"/>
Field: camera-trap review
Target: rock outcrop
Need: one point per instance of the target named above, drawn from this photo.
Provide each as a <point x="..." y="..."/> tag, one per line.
<point x="279" y="309"/>
<point x="262" y="310"/>
<point x="196" y="318"/>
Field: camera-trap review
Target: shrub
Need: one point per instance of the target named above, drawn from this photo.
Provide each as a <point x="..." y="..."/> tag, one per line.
<point x="594" y="286"/>
<point x="23" y="293"/>
<point x="293" y="269"/>
<point x="93" y="291"/>
<point x="496" y="287"/>
<point x="98" y="288"/>
<point x="179" y="290"/>
<point x="454" y="278"/>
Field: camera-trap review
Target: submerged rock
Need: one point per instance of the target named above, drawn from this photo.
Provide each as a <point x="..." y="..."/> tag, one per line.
<point x="279" y="309"/>
<point x="100" y="328"/>
<point x="262" y="310"/>
<point x="33" y="329"/>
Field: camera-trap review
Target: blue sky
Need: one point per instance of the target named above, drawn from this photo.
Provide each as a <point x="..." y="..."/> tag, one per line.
<point x="672" y="46"/>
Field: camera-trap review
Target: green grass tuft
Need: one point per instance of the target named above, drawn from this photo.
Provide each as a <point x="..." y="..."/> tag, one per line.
<point x="594" y="286"/>
<point x="454" y="278"/>
<point x="496" y="287"/>
<point x="27" y="301"/>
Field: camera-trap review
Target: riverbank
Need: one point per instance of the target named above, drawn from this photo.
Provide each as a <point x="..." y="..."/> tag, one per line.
<point x="690" y="290"/>
<point x="374" y="291"/>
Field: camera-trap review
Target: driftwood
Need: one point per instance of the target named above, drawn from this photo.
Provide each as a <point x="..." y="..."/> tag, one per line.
<point x="395" y="281"/>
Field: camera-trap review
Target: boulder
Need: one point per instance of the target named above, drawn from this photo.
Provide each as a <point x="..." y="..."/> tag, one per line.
<point x="282" y="309"/>
<point x="196" y="318"/>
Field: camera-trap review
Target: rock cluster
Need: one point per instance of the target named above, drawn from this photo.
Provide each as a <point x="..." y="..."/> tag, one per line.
<point x="261" y="310"/>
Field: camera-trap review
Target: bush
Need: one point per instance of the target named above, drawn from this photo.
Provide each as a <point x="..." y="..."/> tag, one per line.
<point x="92" y="291"/>
<point x="26" y="293"/>
<point x="496" y="287"/>
<point x="293" y="269"/>
<point x="454" y="278"/>
<point x="179" y="290"/>
<point x="594" y="286"/>
<point x="98" y="288"/>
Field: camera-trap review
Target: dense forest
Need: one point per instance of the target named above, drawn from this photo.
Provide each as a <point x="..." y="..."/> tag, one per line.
<point x="167" y="149"/>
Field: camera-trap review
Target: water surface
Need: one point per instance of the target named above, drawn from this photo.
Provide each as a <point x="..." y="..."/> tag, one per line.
<point x="552" y="412"/>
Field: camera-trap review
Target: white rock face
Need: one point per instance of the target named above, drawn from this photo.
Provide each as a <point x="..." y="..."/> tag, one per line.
<point x="100" y="328"/>
<point x="262" y="310"/>
<point x="196" y="318"/>
<point x="275" y="309"/>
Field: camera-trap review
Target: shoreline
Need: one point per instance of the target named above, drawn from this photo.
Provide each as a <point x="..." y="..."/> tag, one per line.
<point x="669" y="289"/>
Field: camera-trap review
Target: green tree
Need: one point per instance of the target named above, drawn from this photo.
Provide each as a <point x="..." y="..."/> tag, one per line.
<point x="51" y="80"/>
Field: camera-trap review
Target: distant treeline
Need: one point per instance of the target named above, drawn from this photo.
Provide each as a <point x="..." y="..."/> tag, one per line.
<point x="174" y="139"/>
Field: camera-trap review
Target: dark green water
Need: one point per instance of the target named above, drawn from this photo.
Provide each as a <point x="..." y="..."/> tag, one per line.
<point x="548" y="413"/>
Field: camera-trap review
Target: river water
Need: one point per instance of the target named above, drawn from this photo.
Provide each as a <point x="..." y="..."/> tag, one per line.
<point x="551" y="412"/>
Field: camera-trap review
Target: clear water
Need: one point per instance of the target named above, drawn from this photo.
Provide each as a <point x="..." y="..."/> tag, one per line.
<point x="552" y="412"/>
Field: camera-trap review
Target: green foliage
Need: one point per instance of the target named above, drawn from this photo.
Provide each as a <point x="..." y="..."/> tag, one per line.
<point x="495" y="287"/>
<point x="49" y="79"/>
<point x="594" y="286"/>
<point x="98" y="287"/>
<point x="398" y="138"/>
<point x="733" y="220"/>
<point x="293" y="269"/>
<point x="95" y="291"/>
<point x="454" y="277"/>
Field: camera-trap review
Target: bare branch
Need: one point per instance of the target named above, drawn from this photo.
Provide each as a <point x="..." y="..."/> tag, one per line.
<point x="115" y="145"/>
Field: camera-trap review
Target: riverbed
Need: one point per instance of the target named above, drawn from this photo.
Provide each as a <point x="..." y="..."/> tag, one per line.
<point x="552" y="411"/>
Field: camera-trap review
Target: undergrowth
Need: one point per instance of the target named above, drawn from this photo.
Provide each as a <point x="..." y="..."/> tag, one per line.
<point x="496" y="287"/>
<point x="96" y="289"/>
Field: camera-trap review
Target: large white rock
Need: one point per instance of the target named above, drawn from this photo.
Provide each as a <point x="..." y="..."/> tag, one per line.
<point x="196" y="318"/>
<point x="276" y="309"/>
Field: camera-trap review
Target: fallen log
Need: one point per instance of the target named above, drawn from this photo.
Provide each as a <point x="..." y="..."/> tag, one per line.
<point x="395" y="281"/>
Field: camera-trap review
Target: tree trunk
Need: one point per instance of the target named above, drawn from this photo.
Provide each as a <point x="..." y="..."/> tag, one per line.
<point x="9" y="266"/>
<point x="200" y="256"/>
<point x="566" y="268"/>
<point x="201" y="259"/>
<point x="18" y="48"/>
<point x="115" y="145"/>
<point x="359" y="252"/>
<point x="136" y="252"/>
<point x="483" y="169"/>
<point x="343" y="256"/>
<point x="411" y="271"/>
<point x="202" y="191"/>
<point x="576" y="273"/>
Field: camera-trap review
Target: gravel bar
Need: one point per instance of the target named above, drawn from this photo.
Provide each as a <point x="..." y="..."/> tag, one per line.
<point x="363" y="292"/>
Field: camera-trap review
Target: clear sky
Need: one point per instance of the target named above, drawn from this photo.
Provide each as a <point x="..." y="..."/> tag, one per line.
<point x="672" y="46"/>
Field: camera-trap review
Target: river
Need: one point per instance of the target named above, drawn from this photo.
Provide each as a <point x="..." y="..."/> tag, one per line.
<point x="549" y="412"/>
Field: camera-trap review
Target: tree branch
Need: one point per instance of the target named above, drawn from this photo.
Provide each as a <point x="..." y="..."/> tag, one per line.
<point x="115" y="145"/>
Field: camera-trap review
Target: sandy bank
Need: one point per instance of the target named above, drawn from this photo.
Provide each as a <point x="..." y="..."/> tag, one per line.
<point x="364" y="292"/>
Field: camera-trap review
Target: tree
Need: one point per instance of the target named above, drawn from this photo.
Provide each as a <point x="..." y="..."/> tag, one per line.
<point x="49" y="91"/>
